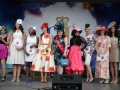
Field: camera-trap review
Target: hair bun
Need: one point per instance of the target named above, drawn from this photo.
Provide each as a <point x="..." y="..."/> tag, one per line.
<point x="87" y="25"/>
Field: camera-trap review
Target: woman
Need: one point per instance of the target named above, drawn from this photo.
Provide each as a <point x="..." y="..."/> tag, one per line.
<point x="43" y="60"/>
<point x="16" y="52"/>
<point x="102" y="48"/>
<point x="90" y="38"/>
<point x="114" y="52"/>
<point x="75" y="52"/>
<point x="60" y="45"/>
<point x="4" y="41"/>
<point x="31" y="43"/>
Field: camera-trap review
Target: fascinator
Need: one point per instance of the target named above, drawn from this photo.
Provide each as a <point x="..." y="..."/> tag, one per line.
<point x="111" y="24"/>
<point x="19" y="21"/>
<point x="45" y="24"/>
<point x="59" y="25"/>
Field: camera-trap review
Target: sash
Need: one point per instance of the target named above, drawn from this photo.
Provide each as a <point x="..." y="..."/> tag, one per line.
<point x="59" y="44"/>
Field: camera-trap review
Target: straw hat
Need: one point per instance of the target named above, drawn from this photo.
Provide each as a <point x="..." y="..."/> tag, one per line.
<point x="113" y="23"/>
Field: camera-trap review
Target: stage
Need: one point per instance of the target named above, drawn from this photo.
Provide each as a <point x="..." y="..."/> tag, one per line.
<point x="7" y="85"/>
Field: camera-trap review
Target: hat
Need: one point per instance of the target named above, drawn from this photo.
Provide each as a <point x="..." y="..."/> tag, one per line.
<point x="19" y="21"/>
<point x="76" y="28"/>
<point x="45" y="24"/>
<point x="59" y="25"/>
<point x="34" y="27"/>
<point x="2" y="27"/>
<point x="111" y="24"/>
<point x="102" y="28"/>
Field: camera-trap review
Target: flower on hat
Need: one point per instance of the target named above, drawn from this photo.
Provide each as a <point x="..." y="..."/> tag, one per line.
<point x="45" y="24"/>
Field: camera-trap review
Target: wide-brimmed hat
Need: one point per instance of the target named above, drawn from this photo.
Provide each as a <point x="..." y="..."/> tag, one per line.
<point x="101" y="28"/>
<point x="59" y="25"/>
<point x="112" y="24"/>
<point x="45" y="24"/>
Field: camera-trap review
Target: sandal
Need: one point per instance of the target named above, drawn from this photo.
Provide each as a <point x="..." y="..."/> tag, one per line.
<point x="13" y="80"/>
<point x="116" y="81"/>
<point x="3" y="78"/>
<point x="102" y="81"/>
<point x="91" y="79"/>
<point x="106" y="81"/>
<point x="87" y="80"/>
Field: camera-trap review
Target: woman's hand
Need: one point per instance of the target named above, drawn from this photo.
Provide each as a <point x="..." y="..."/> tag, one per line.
<point x="19" y="48"/>
<point x="98" y="54"/>
<point x="64" y="54"/>
<point x="32" y="46"/>
<point x="43" y="50"/>
<point x="91" y="48"/>
<point x="27" y="53"/>
<point x="79" y="48"/>
<point x="8" y="52"/>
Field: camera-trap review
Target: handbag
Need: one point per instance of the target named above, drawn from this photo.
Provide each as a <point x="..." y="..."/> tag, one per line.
<point x="45" y="52"/>
<point x="63" y="62"/>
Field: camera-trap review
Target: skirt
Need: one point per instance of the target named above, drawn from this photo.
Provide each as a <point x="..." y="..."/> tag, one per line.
<point x="75" y="58"/>
<point x="3" y="51"/>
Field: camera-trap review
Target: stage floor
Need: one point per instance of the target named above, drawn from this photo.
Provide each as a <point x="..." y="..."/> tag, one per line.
<point x="7" y="85"/>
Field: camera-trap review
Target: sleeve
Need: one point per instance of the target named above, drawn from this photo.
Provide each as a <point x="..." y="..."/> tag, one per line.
<point x="84" y="42"/>
<point x="108" y="41"/>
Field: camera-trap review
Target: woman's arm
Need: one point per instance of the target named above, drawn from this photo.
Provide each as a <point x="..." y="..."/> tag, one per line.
<point x="96" y="41"/>
<point x="6" y="42"/>
<point x="24" y="40"/>
<point x="66" y="44"/>
<point x="10" y="40"/>
<point x="108" y="44"/>
<point x="84" y="42"/>
<point x="25" y="44"/>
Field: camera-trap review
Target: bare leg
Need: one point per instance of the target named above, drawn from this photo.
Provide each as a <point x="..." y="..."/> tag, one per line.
<point x="116" y="72"/>
<point x="112" y="72"/>
<point x="60" y="70"/>
<point x="42" y="77"/>
<point x="27" y="71"/>
<point x="90" y="73"/>
<point x="57" y="66"/>
<point x="87" y="72"/>
<point x="45" y="78"/>
<point x="3" y="69"/>
<point x="18" y="73"/>
<point x="14" y="72"/>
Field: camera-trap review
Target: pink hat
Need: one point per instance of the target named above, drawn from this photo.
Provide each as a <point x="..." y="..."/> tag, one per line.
<point x="76" y="28"/>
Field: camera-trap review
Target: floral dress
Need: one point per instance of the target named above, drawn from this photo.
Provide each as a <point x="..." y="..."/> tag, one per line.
<point x="44" y="63"/>
<point x="102" y="67"/>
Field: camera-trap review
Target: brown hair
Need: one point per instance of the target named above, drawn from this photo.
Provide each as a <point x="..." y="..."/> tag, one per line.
<point x="5" y="29"/>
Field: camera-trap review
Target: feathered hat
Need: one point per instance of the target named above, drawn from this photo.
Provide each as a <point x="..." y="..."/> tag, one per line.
<point x="59" y="25"/>
<point x="76" y="28"/>
<point x="45" y="24"/>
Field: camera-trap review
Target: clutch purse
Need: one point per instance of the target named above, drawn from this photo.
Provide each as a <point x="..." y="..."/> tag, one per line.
<point x="45" y="52"/>
<point x="63" y="62"/>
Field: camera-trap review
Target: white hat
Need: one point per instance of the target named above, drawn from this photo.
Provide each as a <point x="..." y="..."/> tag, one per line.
<point x="34" y="27"/>
<point x="0" y="27"/>
<point x="19" y="21"/>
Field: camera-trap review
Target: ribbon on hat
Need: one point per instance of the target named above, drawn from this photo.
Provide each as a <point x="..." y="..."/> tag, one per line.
<point x="76" y="28"/>
<point x="34" y="27"/>
<point x="19" y="21"/>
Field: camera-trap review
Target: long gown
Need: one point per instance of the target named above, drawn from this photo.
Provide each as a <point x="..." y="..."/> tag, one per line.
<point x="102" y="67"/>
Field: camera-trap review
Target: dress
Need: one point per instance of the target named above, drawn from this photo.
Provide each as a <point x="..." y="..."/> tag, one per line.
<point x="102" y="67"/>
<point x="16" y="57"/>
<point x="3" y="49"/>
<point x="114" y="50"/>
<point x="59" y="47"/>
<point x="30" y="41"/>
<point x="44" y="63"/>
<point x="75" y="55"/>
<point x="90" y="42"/>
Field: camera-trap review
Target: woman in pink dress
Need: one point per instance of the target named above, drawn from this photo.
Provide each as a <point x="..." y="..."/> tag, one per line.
<point x="75" y="52"/>
<point x="102" y="48"/>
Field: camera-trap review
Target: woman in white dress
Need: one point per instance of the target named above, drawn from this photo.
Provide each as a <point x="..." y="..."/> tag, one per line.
<point x="16" y="52"/>
<point x="31" y="43"/>
<point x="90" y="38"/>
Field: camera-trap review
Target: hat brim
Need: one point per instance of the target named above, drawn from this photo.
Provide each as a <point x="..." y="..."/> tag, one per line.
<point x="98" y="31"/>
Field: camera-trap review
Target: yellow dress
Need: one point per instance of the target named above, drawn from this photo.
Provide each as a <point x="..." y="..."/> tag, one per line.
<point x="44" y="63"/>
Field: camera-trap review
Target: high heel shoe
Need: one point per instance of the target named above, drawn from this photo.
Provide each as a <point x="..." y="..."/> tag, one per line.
<point x="102" y="81"/>
<point x="116" y="81"/>
<point x="13" y="80"/>
<point x="87" y="80"/>
<point x="3" y="78"/>
<point x="92" y="79"/>
<point x="106" y="81"/>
